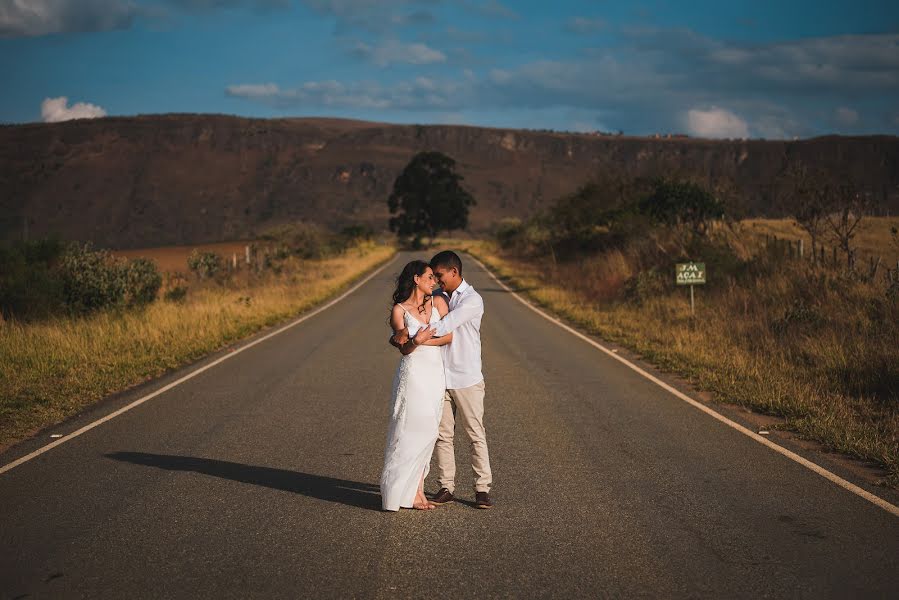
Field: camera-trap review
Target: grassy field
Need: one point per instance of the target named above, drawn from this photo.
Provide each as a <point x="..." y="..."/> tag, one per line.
<point x="52" y="370"/>
<point x="812" y="346"/>
<point x="873" y="239"/>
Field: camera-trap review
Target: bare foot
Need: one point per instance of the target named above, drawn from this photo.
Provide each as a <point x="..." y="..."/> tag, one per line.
<point x="421" y="503"/>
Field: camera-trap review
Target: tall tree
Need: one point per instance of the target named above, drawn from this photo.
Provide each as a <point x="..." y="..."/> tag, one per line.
<point x="683" y="202"/>
<point x="428" y="198"/>
<point x="808" y="197"/>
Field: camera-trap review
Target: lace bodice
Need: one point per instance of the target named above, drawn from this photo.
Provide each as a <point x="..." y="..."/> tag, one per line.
<point x="414" y="324"/>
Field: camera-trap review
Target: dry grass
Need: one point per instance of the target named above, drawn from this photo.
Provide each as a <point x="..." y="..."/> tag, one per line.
<point x="873" y="238"/>
<point x="52" y="370"/>
<point x="813" y="346"/>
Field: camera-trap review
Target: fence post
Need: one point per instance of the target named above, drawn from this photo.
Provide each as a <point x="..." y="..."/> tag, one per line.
<point x="234" y="261"/>
<point x="247" y="250"/>
<point x="801" y="248"/>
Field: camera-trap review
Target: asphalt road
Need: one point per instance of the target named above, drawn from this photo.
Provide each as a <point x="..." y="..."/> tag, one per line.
<point x="258" y="478"/>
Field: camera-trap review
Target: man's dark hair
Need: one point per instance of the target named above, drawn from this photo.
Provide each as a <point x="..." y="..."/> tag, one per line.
<point x="448" y="259"/>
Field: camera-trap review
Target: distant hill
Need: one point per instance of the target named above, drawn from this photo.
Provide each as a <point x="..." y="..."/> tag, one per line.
<point x="185" y="179"/>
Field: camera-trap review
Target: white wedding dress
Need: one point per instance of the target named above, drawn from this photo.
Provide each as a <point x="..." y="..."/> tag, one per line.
<point x="415" y="410"/>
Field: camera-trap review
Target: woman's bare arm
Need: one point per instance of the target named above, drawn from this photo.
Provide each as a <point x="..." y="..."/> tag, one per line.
<point x="441" y="341"/>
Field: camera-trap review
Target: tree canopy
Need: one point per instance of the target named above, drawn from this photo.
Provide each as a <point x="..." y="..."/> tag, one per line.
<point x="428" y="198"/>
<point x="682" y="202"/>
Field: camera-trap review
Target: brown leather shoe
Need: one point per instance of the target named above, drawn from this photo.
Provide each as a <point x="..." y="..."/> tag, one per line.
<point x="442" y="497"/>
<point x="482" y="500"/>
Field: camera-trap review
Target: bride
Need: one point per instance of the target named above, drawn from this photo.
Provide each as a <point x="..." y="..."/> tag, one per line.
<point x="418" y="388"/>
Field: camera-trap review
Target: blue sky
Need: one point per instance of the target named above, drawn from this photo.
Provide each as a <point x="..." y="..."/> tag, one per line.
<point x="713" y="69"/>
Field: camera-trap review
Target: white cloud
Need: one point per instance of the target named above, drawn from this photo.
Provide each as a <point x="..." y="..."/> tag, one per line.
<point x="846" y="116"/>
<point x="54" y="110"/>
<point x="716" y="123"/>
<point x="394" y="51"/>
<point x="264" y="90"/>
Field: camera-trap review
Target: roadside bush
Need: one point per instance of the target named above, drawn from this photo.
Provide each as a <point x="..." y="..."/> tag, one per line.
<point x="47" y="278"/>
<point x="356" y="233"/>
<point x="29" y="288"/>
<point x="91" y="279"/>
<point x="720" y="258"/>
<point x="174" y="287"/>
<point x="646" y="285"/>
<point x="205" y="265"/>
<point x="507" y="231"/>
<point x="142" y="281"/>
<point x="310" y="241"/>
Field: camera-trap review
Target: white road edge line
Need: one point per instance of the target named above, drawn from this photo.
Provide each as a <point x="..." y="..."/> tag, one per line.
<point x="873" y="499"/>
<point x="190" y="375"/>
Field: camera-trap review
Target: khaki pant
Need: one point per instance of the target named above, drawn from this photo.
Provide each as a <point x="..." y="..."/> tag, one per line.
<point x="469" y="402"/>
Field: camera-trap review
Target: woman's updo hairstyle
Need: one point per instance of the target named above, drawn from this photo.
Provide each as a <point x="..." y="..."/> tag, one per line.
<point x="405" y="283"/>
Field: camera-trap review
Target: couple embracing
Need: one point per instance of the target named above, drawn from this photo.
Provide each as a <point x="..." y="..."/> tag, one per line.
<point x="438" y="380"/>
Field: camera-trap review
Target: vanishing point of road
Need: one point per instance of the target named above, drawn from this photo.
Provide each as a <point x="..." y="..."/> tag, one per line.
<point x="258" y="478"/>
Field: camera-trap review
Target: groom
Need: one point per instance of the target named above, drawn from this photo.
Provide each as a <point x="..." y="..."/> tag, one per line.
<point x="464" y="381"/>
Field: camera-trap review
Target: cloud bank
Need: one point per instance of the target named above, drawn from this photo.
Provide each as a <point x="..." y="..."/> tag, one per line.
<point x="29" y="18"/>
<point x="654" y="81"/>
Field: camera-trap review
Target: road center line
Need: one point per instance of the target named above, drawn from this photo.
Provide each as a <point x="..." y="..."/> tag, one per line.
<point x="877" y="500"/>
<point x="190" y="375"/>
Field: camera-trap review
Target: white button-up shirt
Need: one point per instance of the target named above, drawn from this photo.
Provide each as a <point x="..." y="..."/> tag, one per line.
<point x="462" y="356"/>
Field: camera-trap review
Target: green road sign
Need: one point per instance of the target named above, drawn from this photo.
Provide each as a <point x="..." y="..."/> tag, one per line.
<point x="691" y="273"/>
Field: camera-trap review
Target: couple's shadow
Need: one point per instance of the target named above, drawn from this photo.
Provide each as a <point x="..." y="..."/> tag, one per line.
<point x="352" y="493"/>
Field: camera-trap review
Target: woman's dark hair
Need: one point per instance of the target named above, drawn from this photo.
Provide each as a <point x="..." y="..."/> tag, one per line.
<point x="405" y="283"/>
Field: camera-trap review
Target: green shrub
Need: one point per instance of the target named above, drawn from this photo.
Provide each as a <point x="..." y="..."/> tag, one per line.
<point x="508" y="231"/>
<point x="646" y="285"/>
<point x="142" y="281"/>
<point x="205" y="265"/>
<point x="91" y="279"/>
<point x="46" y="278"/>
<point x="176" y="294"/>
<point x="682" y="202"/>
<point x="29" y="288"/>
<point x="356" y="233"/>
<point x="307" y="240"/>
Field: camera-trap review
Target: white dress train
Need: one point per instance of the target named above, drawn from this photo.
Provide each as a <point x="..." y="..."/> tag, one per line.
<point x="415" y="411"/>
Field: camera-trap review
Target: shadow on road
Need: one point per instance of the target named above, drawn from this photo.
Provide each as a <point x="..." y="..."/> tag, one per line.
<point x="352" y="493"/>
